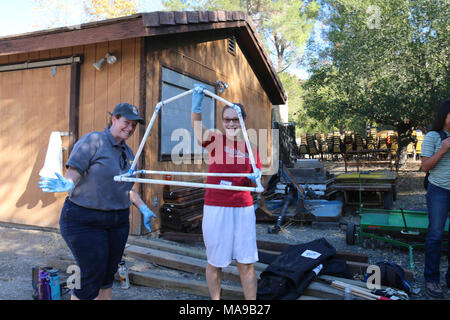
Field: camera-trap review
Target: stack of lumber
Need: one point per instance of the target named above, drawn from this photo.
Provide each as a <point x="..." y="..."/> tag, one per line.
<point x="337" y="142"/>
<point x="303" y="147"/>
<point x="310" y="141"/>
<point x="190" y="262"/>
<point x="330" y="143"/>
<point x="191" y="259"/>
<point x="371" y="139"/>
<point x="348" y="141"/>
<point x="359" y="142"/>
<point x="323" y="144"/>
<point x="182" y="209"/>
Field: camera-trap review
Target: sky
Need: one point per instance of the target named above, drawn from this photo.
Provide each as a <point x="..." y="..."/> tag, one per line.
<point x="22" y="16"/>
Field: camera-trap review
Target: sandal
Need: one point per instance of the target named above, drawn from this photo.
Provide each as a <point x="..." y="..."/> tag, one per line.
<point x="433" y="289"/>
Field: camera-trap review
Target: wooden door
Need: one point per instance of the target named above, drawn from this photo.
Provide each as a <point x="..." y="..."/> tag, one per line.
<point x="33" y="103"/>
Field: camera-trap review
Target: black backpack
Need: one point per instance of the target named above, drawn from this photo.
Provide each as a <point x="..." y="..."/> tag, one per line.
<point x="392" y="275"/>
<point x="425" y="180"/>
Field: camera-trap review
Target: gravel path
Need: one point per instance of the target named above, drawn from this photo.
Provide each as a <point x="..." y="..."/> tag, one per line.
<point x="22" y="248"/>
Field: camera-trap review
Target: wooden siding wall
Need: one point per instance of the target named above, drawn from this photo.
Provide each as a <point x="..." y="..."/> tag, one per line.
<point x="207" y="60"/>
<point x="101" y="90"/>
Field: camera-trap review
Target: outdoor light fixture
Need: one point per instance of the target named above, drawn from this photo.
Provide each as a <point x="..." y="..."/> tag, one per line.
<point x="221" y="86"/>
<point x="108" y="57"/>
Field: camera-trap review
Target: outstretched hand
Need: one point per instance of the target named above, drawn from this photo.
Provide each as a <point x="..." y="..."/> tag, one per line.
<point x="60" y="184"/>
<point x="148" y="215"/>
<point x="197" y="98"/>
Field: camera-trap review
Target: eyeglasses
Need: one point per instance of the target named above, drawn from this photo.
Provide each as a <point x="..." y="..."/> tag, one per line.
<point x="228" y="120"/>
<point x="123" y="160"/>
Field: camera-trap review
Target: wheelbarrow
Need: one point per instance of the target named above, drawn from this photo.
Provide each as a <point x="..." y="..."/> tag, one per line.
<point x="402" y="228"/>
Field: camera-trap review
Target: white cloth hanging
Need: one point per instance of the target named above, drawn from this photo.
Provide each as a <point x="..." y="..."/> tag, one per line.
<point x="54" y="157"/>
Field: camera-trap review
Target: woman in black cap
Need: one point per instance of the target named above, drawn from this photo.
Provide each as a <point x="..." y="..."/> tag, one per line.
<point x="94" y="220"/>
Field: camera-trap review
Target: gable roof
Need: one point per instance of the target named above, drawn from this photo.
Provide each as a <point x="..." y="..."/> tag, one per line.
<point x="158" y="24"/>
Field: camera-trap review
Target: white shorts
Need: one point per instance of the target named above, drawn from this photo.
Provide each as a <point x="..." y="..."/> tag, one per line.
<point x="229" y="233"/>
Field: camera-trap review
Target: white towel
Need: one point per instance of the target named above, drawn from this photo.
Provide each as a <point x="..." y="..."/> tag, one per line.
<point x="53" y="159"/>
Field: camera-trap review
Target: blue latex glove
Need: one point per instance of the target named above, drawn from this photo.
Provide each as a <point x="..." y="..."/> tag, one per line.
<point x="255" y="175"/>
<point x="197" y="98"/>
<point x="56" y="185"/>
<point x="148" y="215"/>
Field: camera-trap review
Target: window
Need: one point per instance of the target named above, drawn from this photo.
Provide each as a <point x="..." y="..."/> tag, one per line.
<point x="176" y="116"/>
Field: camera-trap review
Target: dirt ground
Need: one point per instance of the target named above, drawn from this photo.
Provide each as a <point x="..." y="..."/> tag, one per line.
<point x="22" y="248"/>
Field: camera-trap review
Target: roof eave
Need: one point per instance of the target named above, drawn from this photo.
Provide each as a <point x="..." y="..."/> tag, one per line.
<point x="156" y="24"/>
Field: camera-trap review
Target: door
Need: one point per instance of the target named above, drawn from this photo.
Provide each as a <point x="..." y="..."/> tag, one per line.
<point x="33" y="103"/>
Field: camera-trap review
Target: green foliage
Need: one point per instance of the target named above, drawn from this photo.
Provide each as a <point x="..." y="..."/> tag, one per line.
<point x="387" y="63"/>
<point x="284" y="25"/>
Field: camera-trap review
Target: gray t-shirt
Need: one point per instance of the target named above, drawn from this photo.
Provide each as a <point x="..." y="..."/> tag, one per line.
<point x="440" y="174"/>
<point x="98" y="158"/>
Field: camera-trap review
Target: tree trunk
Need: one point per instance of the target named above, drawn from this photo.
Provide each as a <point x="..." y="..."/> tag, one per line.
<point x="405" y="137"/>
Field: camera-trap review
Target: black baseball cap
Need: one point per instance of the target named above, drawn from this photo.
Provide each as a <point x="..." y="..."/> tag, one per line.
<point x="128" y="111"/>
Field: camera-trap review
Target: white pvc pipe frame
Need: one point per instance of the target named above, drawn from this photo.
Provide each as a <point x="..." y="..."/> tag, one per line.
<point x="127" y="177"/>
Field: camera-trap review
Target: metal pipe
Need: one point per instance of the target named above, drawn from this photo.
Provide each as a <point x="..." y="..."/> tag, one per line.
<point x="188" y="184"/>
<point x="202" y="174"/>
<point x="147" y="132"/>
<point x="149" y="127"/>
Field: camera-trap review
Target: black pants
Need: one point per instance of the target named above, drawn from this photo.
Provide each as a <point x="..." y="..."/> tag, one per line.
<point x="97" y="240"/>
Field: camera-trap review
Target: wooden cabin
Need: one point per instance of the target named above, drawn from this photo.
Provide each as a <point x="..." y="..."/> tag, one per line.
<point x="48" y="83"/>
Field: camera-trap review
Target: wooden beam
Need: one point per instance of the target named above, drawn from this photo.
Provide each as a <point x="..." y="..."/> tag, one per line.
<point x="198" y="253"/>
<point x="197" y="287"/>
<point x="74" y="37"/>
<point x="263" y="245"/>
<point x="179" y="262"/>
<point x="74" y="104"/>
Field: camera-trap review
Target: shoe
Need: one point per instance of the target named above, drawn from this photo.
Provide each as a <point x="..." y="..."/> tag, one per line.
<point x="433" y="289"/>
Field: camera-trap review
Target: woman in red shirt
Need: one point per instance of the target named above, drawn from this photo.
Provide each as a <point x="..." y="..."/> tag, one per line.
<point x="229" y="222"/>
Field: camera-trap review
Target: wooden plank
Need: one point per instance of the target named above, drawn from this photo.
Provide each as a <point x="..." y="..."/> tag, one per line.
<point x="155" y="280"/>
<point x="321" y="290"/>
<point x="358" y="283"/>
<point x="115" y="77"/>
<point x="179" y="262"/>
<point x="74" y="104"/>
<point x="76" y="37"/>
<point x="193" y="265"/>
<point x="87" y="97"/>
<point x="198" y="253"/>
<point x="99" y="113"/>
<point x="316" y="290"/>
<point x="263" y="245"/>
<point x="363" y="187"/>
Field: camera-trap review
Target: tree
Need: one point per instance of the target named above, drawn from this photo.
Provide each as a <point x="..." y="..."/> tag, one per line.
<point x="387" y="63"/>
<point x="59" y="13"/>
<point x="284" y="25"/>
<point x="107" y="9"/>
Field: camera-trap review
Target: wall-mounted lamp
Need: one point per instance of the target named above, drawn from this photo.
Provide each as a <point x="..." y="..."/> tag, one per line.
<point x="108" y="57"/>
<point x="221" y="86"/>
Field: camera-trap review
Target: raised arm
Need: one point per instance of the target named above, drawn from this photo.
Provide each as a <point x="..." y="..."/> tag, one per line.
<point x="196" y="115"/>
